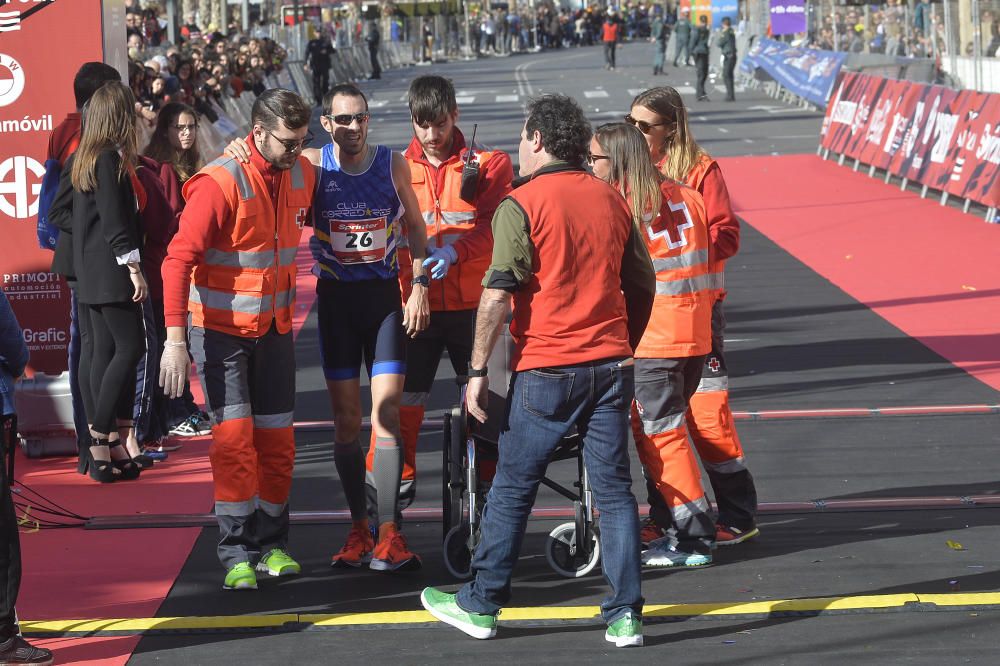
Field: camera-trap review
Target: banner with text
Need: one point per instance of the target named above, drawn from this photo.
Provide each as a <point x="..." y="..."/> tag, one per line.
<point x="787" y="16"/>
<point x="946" y="139"/>
<point x="809" y="73"/>
<point x="715" y="10"/>
<point x="43" y="45"/>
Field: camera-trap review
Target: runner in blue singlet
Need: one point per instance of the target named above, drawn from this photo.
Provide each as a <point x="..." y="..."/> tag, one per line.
<point x="362" y="197"/>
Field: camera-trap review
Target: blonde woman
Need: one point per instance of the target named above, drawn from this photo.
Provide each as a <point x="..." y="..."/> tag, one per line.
<point x="106" y="240"/>
<point x="671" y="353"/>
<point x="660" y="114"/>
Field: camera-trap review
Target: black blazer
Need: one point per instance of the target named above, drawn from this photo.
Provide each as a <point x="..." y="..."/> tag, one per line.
<point x="102" y="225"/>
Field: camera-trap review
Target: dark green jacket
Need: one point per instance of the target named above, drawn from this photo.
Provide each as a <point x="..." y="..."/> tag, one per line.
<point x="727" y="42"/>
<point x="699" y="41"/>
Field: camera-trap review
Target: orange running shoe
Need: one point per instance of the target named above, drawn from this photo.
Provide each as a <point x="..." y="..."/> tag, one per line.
<point x="358" y="549"/>
<point x="392" y="553"/>
<point x="649" y="531"/>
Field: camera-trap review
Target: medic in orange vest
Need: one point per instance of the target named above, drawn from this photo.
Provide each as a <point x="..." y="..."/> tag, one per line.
<point x="457" y="188"/>
<point x="671" y="353"/>
<point x="660" y="114"/>
<point x="231" y="266"/>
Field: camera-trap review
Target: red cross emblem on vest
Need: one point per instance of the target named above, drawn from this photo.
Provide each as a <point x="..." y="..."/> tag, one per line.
<point x="714" y="364"/>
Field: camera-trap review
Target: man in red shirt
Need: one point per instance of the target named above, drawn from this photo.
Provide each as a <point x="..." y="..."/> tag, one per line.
<point x="610" y="34"/>
<point x="568" y="257"/>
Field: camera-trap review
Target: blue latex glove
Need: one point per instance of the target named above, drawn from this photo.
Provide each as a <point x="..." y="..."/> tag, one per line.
<point x="440" y="260"/>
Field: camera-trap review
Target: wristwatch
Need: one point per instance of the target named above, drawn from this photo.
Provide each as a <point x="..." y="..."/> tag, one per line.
<point x="476" y="373"/>
<point x="421" y="279"/>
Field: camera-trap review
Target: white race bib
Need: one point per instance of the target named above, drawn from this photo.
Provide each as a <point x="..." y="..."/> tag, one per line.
<point x="359" y="241"/>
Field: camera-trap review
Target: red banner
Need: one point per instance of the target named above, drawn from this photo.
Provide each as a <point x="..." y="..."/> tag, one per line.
<point x="42" y="44"/>
<point x="946" y="139"/>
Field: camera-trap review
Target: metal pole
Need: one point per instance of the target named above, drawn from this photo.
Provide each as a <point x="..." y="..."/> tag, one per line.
<point x="172" y="21"/>
<point x="246" y="15"/>
<point x="949" y="37"/>
<point x="977" y="46"/>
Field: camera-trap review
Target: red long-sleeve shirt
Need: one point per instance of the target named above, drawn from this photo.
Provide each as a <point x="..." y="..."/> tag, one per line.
<point x="205" y="213"/>
<point x="723" y="227"/>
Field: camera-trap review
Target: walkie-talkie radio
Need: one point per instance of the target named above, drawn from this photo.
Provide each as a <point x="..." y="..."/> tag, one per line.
<point x="470" y="172"/>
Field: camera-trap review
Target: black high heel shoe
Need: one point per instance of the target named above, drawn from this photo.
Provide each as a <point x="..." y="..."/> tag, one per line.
<point x="128" y="467"/>
<point x="102" y="471"/>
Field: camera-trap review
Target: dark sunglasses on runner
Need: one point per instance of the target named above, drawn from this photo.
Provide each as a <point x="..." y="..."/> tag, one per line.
<point x="591" y="158"/>
<point x="347" y="118"/>
<point x="643" y="126"/>
<point x="291" y="145"/>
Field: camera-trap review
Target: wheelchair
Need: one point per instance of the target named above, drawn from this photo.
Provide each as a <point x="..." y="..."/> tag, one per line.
<point x="470" y="449"/>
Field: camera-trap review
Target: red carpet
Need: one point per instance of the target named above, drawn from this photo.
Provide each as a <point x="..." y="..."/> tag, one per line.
<point x="929" y="270"/>
<point x="76" y="573"/>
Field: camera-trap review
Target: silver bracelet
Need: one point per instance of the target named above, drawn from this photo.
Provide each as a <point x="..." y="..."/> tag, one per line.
<point x="168" y="343"/>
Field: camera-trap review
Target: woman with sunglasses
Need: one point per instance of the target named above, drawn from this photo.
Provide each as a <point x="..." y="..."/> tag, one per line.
<point x="671" y="353"/>
<point x="659" y="113"/>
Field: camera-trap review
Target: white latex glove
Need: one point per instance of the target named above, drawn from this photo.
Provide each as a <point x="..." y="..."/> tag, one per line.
<point x="441" y="259"/>
<point x="175" y="364"/>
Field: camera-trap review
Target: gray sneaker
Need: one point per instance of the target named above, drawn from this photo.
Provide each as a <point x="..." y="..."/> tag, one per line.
<point x="662" y="554"/>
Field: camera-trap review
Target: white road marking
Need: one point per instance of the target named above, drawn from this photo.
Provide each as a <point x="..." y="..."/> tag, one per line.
<point x="685" y="90"/>
<point x="590" y="94"/>
<point x="502" y="99"/>
<point x="723" y="130"/>
<point x="377" y="103"/>
<point x="465" y="99"/>
<point x="635" y="91"/>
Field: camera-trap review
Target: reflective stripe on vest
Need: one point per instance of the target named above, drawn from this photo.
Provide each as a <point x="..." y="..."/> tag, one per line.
<point x="246" y="279"/>
<point x="688" y="285"/>
<point x="689" y="260"/>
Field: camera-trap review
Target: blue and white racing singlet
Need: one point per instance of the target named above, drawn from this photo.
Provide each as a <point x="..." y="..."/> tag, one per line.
<point x="356" y="221"/>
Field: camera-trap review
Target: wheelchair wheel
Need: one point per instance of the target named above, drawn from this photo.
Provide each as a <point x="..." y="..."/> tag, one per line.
<point x="458" y="552"/>
<point x="565" y="558"/>
<point x="453" y="475"/>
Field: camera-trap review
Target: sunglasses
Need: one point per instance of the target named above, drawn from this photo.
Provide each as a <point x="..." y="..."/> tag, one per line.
<point x="193" y="127"/>
<point x="292" y="145"/>
<point x="642" y="125"/>
<point x="347" y="118"/>
<point x="591" y="158"/>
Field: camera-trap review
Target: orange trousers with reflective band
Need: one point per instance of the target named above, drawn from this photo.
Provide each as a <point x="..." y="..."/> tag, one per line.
<point x="249" y="388"/>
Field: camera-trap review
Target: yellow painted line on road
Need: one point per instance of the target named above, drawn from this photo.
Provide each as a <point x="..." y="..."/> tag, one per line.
<point x="298" y="621"/>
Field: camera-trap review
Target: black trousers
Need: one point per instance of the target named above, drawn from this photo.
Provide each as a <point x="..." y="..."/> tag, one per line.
<point x="376" y="68"/>
<point x="701" y="66"/>
<point x="119" y="337"/>
<point x="728" y="70"/>
<point x="10" y="542"/>
<point x="321" y="82"/>
<point x="609" y="53"/>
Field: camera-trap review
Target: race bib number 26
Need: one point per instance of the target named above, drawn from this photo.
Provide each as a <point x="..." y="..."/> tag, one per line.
<point x="359" y="241"/>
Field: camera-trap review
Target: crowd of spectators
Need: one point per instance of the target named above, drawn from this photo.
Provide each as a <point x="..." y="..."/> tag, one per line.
<point x="202" y="69"/>
<point x="894" y="28"/>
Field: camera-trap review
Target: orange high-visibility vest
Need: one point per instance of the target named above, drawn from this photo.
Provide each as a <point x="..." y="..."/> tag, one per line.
<point x="246" y="279"/>
<point x="694" y="180"/>
<point x="448" y="218"/>
<point x="680" y="324"/>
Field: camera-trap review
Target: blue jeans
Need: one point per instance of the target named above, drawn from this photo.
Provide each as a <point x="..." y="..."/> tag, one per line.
<point x="542" y="406"/>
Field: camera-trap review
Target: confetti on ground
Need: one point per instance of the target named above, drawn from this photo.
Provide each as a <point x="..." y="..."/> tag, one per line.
<point x="729" y="642"/>
<point x="968" y="287"/>
<point x="954" y="545"/>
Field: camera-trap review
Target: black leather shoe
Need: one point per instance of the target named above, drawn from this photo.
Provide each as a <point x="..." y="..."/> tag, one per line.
<point x="16" y="650"/>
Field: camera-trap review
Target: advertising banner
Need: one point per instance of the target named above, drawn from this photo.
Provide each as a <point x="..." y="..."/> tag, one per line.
<point x="42" y="44"/>
<point x="715" y="10"/>
<point x="946" y="139"/>
<point x="809" y="73"/>
<point x="787" y="16"/>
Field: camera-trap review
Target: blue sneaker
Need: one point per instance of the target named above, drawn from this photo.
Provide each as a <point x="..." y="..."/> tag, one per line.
<point x="662" y="554"/>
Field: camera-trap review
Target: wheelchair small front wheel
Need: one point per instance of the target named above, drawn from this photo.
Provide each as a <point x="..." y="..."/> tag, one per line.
<point x="457" y="553"/>
<point x="565" y="556"/>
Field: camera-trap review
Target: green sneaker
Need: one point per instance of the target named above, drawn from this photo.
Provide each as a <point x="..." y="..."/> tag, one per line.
<point x="240" y="577"/>
<point x="626" y="631"/>
<point x="443" y="606"/>
<point x="278" y="563"/>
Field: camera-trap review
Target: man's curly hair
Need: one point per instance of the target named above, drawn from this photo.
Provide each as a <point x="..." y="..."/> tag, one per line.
<point x="564" y="129"/>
